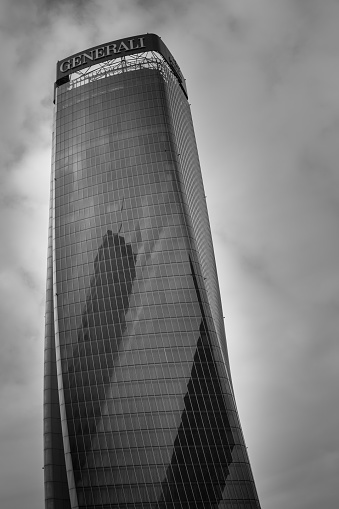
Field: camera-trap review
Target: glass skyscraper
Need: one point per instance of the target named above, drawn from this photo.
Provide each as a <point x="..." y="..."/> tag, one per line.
<point x="139" y="405"/>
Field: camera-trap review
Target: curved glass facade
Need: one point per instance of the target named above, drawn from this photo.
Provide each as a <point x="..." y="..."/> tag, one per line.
<point x="139" y="407"/>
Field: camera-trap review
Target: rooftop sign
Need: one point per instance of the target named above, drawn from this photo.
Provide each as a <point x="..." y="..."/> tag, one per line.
<point x="116" y="49"/>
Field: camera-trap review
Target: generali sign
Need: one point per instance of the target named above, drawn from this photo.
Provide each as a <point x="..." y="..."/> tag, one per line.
<point x="116" y="49"/>
<point x="101" y="52"/>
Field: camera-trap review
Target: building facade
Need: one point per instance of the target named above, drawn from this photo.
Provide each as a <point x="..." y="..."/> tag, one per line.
<point x="139" y="405"/>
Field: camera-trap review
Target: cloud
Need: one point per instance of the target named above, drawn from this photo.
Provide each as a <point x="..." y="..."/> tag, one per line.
<point x="263" y="81"/>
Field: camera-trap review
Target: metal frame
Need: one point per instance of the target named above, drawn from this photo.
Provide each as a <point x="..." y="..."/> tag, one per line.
<point x="127" y="63"/>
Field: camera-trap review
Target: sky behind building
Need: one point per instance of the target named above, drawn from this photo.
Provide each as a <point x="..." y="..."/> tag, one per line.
<point x="262" y="78"/>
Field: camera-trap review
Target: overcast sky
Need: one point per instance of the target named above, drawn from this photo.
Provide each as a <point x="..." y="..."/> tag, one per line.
<point x="263" y="81"/>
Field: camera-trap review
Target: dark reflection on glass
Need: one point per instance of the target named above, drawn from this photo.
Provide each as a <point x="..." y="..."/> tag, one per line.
<point x="101" y="331"/>
<point x="204" y="443"/>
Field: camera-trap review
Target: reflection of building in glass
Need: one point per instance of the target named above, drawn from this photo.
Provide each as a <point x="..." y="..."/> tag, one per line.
<point x="139" y="406"/>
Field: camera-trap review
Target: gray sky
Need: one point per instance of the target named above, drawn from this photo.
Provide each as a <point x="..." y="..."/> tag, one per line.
<point x="263" y="81"/>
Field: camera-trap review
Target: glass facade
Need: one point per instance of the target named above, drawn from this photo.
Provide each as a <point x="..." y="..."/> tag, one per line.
<point x="139" y="405"/>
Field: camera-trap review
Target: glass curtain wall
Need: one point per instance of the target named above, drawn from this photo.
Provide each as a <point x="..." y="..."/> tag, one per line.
<point x="139" y="408"/>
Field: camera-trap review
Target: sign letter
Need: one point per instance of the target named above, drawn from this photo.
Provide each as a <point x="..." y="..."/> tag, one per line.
<point x="76" y="61"/>
<point x="99" y="53"/>
<point x="131" y="45"/>
<point x="86" y="56"/>
<point x="123" y="46"/>
<point x="111" y="48"/>
<point x="65" y="66"/>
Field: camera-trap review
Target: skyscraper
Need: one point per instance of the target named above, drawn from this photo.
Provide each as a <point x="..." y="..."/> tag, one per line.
<point x="139" y="404"/>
